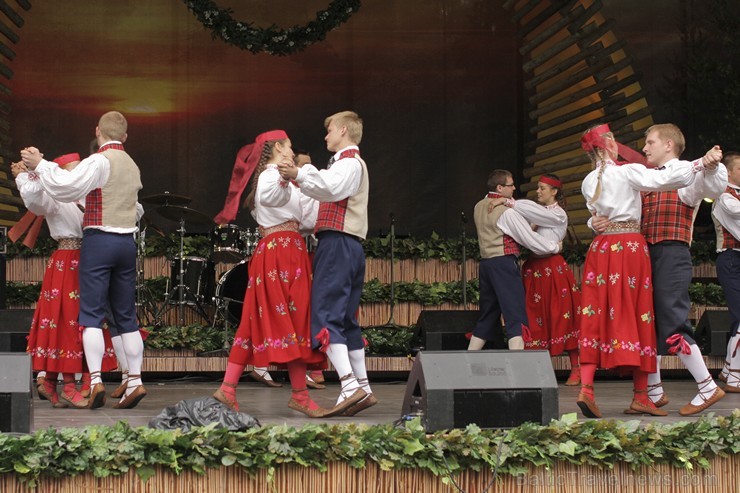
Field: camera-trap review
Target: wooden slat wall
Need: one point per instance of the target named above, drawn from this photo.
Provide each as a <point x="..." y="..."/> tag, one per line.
<point x="576" y="74"/>
<point x="11" y="19"/>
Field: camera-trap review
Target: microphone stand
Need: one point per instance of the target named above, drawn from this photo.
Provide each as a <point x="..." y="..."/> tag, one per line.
<point x="391" y="321"/>
<point x="463" y="267"/>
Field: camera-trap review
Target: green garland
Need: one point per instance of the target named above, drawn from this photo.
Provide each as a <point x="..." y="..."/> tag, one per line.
<point x="112" y="450"/>
<point x="272" y="40"/>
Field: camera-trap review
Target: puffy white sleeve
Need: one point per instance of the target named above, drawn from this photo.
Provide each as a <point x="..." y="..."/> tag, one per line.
<point x="340" y="181"/>
<point x="33" y="195"/>
<point x="309" y="213"/>
<point x="514" y="225"/>
<point x="69" y="186"/>
<point x="539" y="214"/>
<point x="645" y="179"/>
<point x="710" y="184"/>
<point x="272" y="190"/>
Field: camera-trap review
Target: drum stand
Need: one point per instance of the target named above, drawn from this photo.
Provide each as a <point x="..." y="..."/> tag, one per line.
<point x="182" y="290"/>
<point x="146" y="308"/>
<point x="222" y="314"/>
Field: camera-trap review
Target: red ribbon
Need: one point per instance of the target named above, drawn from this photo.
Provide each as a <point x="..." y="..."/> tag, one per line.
<point x="246" y="161"/>
<point x="679" y="344"/>
<point x="526" y="334"/>
<point x="595" y="138"/>
<point x="30" y="223"/>
<point x="324" y="339"/>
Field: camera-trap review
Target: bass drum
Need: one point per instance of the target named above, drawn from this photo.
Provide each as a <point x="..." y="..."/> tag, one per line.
<point x="231" y="290"/>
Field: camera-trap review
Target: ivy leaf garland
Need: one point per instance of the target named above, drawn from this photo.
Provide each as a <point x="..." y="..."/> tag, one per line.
<point x="272" y="40"/>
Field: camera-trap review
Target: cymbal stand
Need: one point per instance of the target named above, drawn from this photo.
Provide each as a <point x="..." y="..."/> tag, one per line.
<point x="146" y="309"/>
<point x="463" y="266"/>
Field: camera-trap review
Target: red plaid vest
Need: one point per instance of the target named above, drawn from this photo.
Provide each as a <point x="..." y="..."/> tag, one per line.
<point x="728" y="241"/>
<point x="665" y="217"/>
<point x="336" y="215"/>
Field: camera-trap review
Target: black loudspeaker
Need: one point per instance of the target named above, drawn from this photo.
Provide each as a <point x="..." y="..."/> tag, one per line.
<point x="16" y="400"/>
<point x="14" y="327"/>
<point x="443" y="330"/>
<point x="493" y="389"/>
<point x="713" y="332"/>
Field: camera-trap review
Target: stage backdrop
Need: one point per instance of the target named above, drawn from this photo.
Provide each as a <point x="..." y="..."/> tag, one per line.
<point x="437" y="82"/>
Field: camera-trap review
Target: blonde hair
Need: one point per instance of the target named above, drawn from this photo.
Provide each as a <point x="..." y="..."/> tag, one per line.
<point x="731" y="160"/>
<point x="597" y="160"/>
<point x="113" y="126"/>
<point x="348" y="119"/>
<point x="669" y="131"/>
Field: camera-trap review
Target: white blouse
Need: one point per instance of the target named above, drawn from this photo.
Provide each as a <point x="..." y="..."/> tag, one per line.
<point x="277" y="201"/>
<point x="64" y="219"/>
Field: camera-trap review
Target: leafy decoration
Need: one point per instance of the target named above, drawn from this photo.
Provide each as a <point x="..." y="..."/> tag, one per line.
<point x="112" y="450"/>
<point x="272" y="40"/>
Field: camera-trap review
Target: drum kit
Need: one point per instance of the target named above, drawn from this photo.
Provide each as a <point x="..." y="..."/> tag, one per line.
<point x="192" y="278"/>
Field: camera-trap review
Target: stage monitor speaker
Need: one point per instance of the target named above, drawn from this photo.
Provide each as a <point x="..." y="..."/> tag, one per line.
<point x="443" y="330"/>
<point x="713" y="332"/>
<point x="14" y="327"/>
<point x="493" y="389"/>
<point x="16" y="400"/>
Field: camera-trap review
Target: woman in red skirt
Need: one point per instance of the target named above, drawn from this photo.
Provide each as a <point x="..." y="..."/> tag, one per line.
<point x="552" y="295"/>
<point x="54" y="340"/>
<point x="617" y="327"/>
<point x="275" y="326"/>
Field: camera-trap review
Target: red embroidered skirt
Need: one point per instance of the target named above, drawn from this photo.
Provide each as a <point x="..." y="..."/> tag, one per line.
<point x="552" y="304"/>
<point x="276" y="319"/>
<point x="54" y="341"/>
<point x="617" y="318"/>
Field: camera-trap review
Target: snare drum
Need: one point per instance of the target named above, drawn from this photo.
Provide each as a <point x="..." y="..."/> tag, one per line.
<point x="231" y="290"/>
<point x="199" y="276"/>
<point x="227" y="243"/>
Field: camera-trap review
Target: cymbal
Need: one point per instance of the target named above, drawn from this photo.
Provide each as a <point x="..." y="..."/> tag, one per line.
<point x="166" y="198"/>
<point x="190" y="216"/>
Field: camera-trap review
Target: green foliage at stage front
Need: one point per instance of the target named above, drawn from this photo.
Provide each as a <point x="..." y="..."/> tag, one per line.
<point x="113" y="450"/>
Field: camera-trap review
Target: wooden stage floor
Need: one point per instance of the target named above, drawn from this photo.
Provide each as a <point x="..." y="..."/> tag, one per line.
<point x="270" y="405"/>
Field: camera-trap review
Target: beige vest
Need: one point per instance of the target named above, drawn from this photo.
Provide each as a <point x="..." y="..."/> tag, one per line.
<point x="490" y="237"/>
<point x="121" y="192"/>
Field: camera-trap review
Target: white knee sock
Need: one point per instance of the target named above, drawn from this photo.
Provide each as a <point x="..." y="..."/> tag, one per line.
<point x="133" y="345"/>
<point x="655" y="384"/>
<point x="357" y="360"/>
<point x="733" y="378"/>
<point x="339" y="357"/>
<point x="120" y="355"/>
<point x="476" y="343"/>
<point x="94" y="346"/>
<point x="730" y="348"/>
<point x="694" y="362"/>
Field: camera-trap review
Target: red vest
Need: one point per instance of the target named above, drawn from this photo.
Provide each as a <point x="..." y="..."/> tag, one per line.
<point x="665" y="217"/>
<point x="336" y="215"/>
<point x="511" y="247"/>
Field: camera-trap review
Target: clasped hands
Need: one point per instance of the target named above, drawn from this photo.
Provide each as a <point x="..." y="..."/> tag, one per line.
<point x="288" y="170"/>
<point x="31" y="157"/>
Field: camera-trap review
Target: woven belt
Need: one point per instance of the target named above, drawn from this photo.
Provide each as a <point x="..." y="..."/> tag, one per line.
<point x="69" y="244"/>
<point x="617" y="227"/>
<point x="286" y="226"/>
